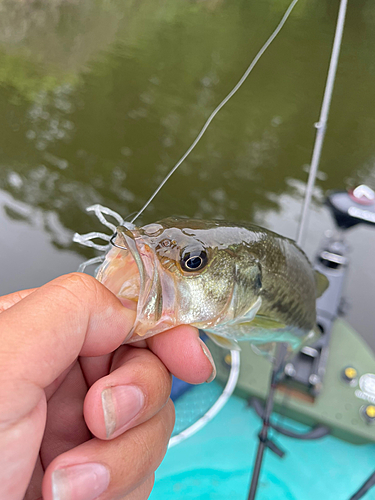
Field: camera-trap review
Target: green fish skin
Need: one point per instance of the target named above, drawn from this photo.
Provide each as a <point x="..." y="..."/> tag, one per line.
<point x="237" y="282"/>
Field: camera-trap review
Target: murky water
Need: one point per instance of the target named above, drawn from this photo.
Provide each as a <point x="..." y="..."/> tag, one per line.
<point x="100" y="98"/>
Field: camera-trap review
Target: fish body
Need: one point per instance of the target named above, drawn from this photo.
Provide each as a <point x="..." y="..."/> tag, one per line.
<point x="237" y="282"/>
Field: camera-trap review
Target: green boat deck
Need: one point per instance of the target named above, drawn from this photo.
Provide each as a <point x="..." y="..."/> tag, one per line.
<point x="216" y="463"/>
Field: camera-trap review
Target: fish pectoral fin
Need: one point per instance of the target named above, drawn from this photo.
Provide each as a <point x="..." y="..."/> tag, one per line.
<point x="224" y="342"/>
<point x="267" y="323"/>
<point x="266" y="350"/>
<point x="312" y="336"/>
<point x="321" y="283"/>
<point x="248" y="316"/>
<point x="307" y="341"/>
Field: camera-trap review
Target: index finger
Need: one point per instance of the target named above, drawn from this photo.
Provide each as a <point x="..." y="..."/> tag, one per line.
<point x="46" y="331"/>
<point x="40" y="337"/>
<point x="7" y="301"/>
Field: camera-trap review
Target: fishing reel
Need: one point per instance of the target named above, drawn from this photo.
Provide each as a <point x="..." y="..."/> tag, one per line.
<point x="348" y="208"/>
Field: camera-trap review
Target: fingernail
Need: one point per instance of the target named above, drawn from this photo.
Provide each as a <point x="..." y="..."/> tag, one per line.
<point x="80" y="482"/>
<point x="120" y="405"/>
<point x="208" y="355"/>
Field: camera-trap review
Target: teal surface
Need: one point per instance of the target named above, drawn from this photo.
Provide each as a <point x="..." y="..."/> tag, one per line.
<point x="216" y="463"/>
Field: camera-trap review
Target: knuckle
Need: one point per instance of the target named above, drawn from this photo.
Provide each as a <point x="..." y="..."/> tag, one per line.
<point x="147" y="370"/>
<point x="77" y="281"/>
<point x="151" y="456"/>
<point x="148" y="486"/>
<point x="154" y="442"/>
<point x="143" y="491"/>
<point x="162" y="376"/>
<point x="170" y="417"/>
<point x="76" y="286"/>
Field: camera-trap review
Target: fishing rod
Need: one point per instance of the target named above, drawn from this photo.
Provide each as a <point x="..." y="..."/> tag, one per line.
<point x="321" y="127"/>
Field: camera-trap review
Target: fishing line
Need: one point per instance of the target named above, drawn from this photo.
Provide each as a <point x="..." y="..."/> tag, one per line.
<point x="220" y="106"/>
<point x="101" y="211"/>
<point x="235" y="359"/>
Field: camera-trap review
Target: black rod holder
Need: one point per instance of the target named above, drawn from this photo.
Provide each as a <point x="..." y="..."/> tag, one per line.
<point x="281" y="351"/>
<point x="370" y="483"/>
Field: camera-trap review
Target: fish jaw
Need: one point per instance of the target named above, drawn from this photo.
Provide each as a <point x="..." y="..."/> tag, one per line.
<point x="132" y="272"/>
<point x="119" y="273"/>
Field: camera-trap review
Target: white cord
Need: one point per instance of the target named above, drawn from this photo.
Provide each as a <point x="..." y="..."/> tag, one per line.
<point x="215" y="408"/>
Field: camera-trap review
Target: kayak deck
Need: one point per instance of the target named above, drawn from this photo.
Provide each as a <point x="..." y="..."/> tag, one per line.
<point x="216" y="462"/>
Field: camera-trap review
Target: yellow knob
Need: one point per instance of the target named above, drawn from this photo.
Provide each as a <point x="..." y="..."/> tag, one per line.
<point x="350" y="372"/>
<point x="370" y="411"/>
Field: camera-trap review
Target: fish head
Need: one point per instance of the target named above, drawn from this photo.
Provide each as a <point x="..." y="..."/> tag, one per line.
<point x="181" y="271"/>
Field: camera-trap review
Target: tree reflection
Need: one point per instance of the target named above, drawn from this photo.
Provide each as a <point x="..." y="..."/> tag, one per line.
<point x="100" y="99"/>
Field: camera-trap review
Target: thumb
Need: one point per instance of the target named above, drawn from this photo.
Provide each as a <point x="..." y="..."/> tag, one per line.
<point x="40" y="337"/>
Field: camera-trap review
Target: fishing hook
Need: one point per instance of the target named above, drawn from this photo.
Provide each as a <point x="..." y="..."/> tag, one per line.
<point x="113" y="243"/>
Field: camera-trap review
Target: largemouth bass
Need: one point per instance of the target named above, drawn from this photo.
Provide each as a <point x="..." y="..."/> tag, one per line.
<point x="235" y="282"/>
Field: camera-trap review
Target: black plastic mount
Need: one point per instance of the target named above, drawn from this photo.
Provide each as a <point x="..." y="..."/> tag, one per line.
<point x="306" y="370"/>
<point x="353" y="207"/>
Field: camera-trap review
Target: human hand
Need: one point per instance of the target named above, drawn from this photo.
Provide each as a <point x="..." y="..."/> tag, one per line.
<point x="82" y="416"/>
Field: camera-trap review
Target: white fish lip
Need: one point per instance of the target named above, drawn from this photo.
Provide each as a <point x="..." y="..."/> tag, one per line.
<point x="126" y="240"/>
<point x="119" y="273"/>
<point x="150" y="300"/>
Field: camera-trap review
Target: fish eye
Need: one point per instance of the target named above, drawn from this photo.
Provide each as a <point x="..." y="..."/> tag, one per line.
<point x="194" y="260"/>
<point x="166" y="243"/>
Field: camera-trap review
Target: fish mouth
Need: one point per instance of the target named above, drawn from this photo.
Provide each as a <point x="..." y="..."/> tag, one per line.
<point x="131" y="271"/>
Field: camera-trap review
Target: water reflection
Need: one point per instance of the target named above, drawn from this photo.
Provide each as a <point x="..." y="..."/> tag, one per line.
<point x="29" y="257"/>
<point x="63" y="34"/>
<point x="100" y="99"/>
